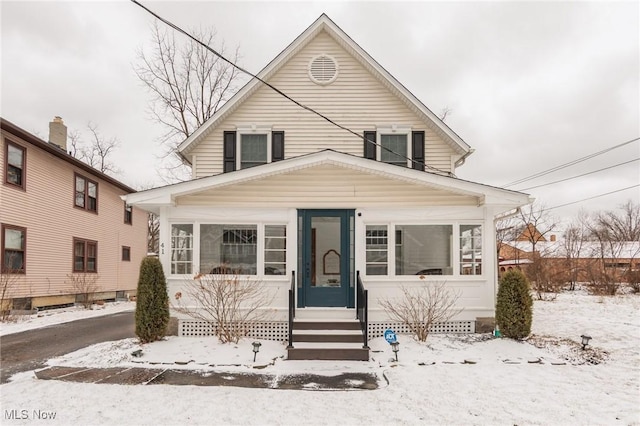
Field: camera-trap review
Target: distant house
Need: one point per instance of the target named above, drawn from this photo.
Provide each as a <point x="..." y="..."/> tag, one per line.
<point x="579" y="264"/>
<point x="323" y="214"/>
<point x="63" y="221"/>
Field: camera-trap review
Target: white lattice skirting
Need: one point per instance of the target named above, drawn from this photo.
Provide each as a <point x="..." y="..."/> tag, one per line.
<point x="279" y="330"/>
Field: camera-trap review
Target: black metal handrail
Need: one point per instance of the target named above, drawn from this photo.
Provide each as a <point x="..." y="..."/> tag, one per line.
<point x="292" y="307"/>
<point x="362" y="310"/>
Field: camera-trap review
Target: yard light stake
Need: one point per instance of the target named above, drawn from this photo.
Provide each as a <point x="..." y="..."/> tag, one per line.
<point x="395" y="349"/>
<point x="585" y="341"/>
<point x="256" y="349"/>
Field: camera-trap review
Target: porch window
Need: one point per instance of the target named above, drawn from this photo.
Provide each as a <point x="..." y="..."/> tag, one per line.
<point x="182" y="249"/>
<point x="13" y="249"/>
<point x="424" y="249"/>
<point x="470" y="249"/>
<point x="15" y="165"/>
<point x="228" y="249"/>
<point x="377" y="249"/>
<point x="253" y="150"/>
<point x="275" y="249"/>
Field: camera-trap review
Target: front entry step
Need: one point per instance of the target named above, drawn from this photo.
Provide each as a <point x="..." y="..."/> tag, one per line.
<point x="328" y="340"/>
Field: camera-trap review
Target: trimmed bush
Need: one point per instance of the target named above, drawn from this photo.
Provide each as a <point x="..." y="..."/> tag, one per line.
<point x="514" y="308"/>
<point x="152" y="304"/>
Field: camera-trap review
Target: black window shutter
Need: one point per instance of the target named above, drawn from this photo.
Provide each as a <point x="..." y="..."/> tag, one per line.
<point x="229" y="151"/>
<point x="370" y="145"/>
<point x="417" y="149"/>
<point x="277" y="146"/>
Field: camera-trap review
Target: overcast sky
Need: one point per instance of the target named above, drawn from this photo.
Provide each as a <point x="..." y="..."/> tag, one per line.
<point x="530" y="85"/>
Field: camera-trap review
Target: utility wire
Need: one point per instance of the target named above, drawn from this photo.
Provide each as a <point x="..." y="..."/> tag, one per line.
<point x="280" y="92"/>
<point x="578" y="176"/>
<point x="595" y="196"/>
<point x="570" y="163"/>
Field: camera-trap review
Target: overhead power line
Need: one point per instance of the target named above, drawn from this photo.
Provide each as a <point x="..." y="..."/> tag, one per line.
<point x="280" y="92"/>
<point x="579" y="176"/>
<point x="595" y="196"/>
<point x="570" y="163"/>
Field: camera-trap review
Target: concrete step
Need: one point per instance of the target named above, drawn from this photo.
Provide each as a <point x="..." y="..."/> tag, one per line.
<point x="353" y="336"/>
<point x="329" y="353"/>
<point x="326" y="325"/>
<point x="325" y="314"/>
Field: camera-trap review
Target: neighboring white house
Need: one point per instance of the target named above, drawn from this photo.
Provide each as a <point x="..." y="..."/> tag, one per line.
<point x="279" y="192"/>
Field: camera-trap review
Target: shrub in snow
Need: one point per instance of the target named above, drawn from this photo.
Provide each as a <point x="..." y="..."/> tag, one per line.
<point x="152" y="305"/>
<point x="231" y="303"/>
<point x="422" y="307"/>
<point x="514" y="309"/>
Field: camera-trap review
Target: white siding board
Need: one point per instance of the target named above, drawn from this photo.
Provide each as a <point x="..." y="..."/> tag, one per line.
<point x="326" y="186"/>
<point x="356" y="100"/>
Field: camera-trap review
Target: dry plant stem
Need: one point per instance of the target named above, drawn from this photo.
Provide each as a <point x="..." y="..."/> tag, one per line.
<point x="421" y="308"/>
<point x="231" y="303"/>
<point x="85" y="285"/>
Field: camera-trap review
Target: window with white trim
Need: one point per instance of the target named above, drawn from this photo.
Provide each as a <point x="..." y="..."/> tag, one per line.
<point x="470" y="249"/>
<point x="275" y="249"/>
<point x="182" y="248"/>
<point x="228" y="249"/>
<point x="254" y="147"/>
<point x="377" y="243"/>
<point x="394" y="146"/>
<point x="424" y="249"/>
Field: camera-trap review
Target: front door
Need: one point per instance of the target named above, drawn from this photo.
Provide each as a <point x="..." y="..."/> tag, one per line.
<point x="326" y="258"/>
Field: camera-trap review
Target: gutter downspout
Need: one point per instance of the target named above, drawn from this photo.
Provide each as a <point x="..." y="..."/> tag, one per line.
<point x="462" y="159"/>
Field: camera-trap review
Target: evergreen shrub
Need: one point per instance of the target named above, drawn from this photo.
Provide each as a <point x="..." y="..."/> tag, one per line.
<point x="514" y="308"/>
<point x="152" y="301"/>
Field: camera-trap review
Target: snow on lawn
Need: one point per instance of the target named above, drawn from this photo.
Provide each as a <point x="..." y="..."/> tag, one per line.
<point x="430" y="384"/>
<point x="62" y="315"/>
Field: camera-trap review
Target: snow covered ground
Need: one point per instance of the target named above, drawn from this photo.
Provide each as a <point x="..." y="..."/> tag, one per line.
<point x="431" y="383"/>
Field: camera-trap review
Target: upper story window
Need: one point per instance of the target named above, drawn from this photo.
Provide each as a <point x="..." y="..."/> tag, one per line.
<point x="396" y="145"/>
<point x="394" y="149"/>
<point x="85" y="255"/>
<point x="128" y="214"/>
<point x="14" y="243"/>
<point x="254" y="149"/>
<point x="251" y="146"/>
<point x="86" y="194"/>
<point x="15" y="156"/>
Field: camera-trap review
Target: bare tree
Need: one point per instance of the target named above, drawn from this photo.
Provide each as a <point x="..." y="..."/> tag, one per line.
<point x="188" y="84"/>
<point x="537" y="222"/>
<point x="446" y="111"/>
<point x="573" y="244"/>
<point x="422" y="307"/>
<point x="616" y="247"/>
<point x="230" y="303"/>
<point x="97" y="152"/>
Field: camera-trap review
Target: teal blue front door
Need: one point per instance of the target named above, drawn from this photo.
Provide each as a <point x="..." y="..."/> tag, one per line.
<point x="326" y="258"/>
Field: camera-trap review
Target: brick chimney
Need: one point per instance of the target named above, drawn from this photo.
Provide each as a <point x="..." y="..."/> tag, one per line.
<point x="58" y="133"/>
<point x="553" y="237"/>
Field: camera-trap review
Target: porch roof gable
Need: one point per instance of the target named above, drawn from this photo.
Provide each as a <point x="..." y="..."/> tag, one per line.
<point x="165" y="196"/>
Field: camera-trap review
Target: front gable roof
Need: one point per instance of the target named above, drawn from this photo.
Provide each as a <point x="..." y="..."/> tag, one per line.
<point x="323" y="23"/>
<point x="484" y="194"/>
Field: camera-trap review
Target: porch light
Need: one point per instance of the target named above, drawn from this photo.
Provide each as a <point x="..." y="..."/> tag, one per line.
<point x="395" y="349"/>
<point x="585" y="341"/>
<point x="256" y="349"/>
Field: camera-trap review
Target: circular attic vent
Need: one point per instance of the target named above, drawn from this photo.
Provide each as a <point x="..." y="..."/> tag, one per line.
<point x="323" y="69"/>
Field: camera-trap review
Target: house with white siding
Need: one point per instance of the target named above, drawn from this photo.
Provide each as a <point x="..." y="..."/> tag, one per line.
<point x="331" y="219"/>
<point x="64" y="230"/>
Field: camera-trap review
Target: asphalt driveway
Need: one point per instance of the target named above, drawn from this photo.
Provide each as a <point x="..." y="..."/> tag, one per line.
<point x="29" y="350"/>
